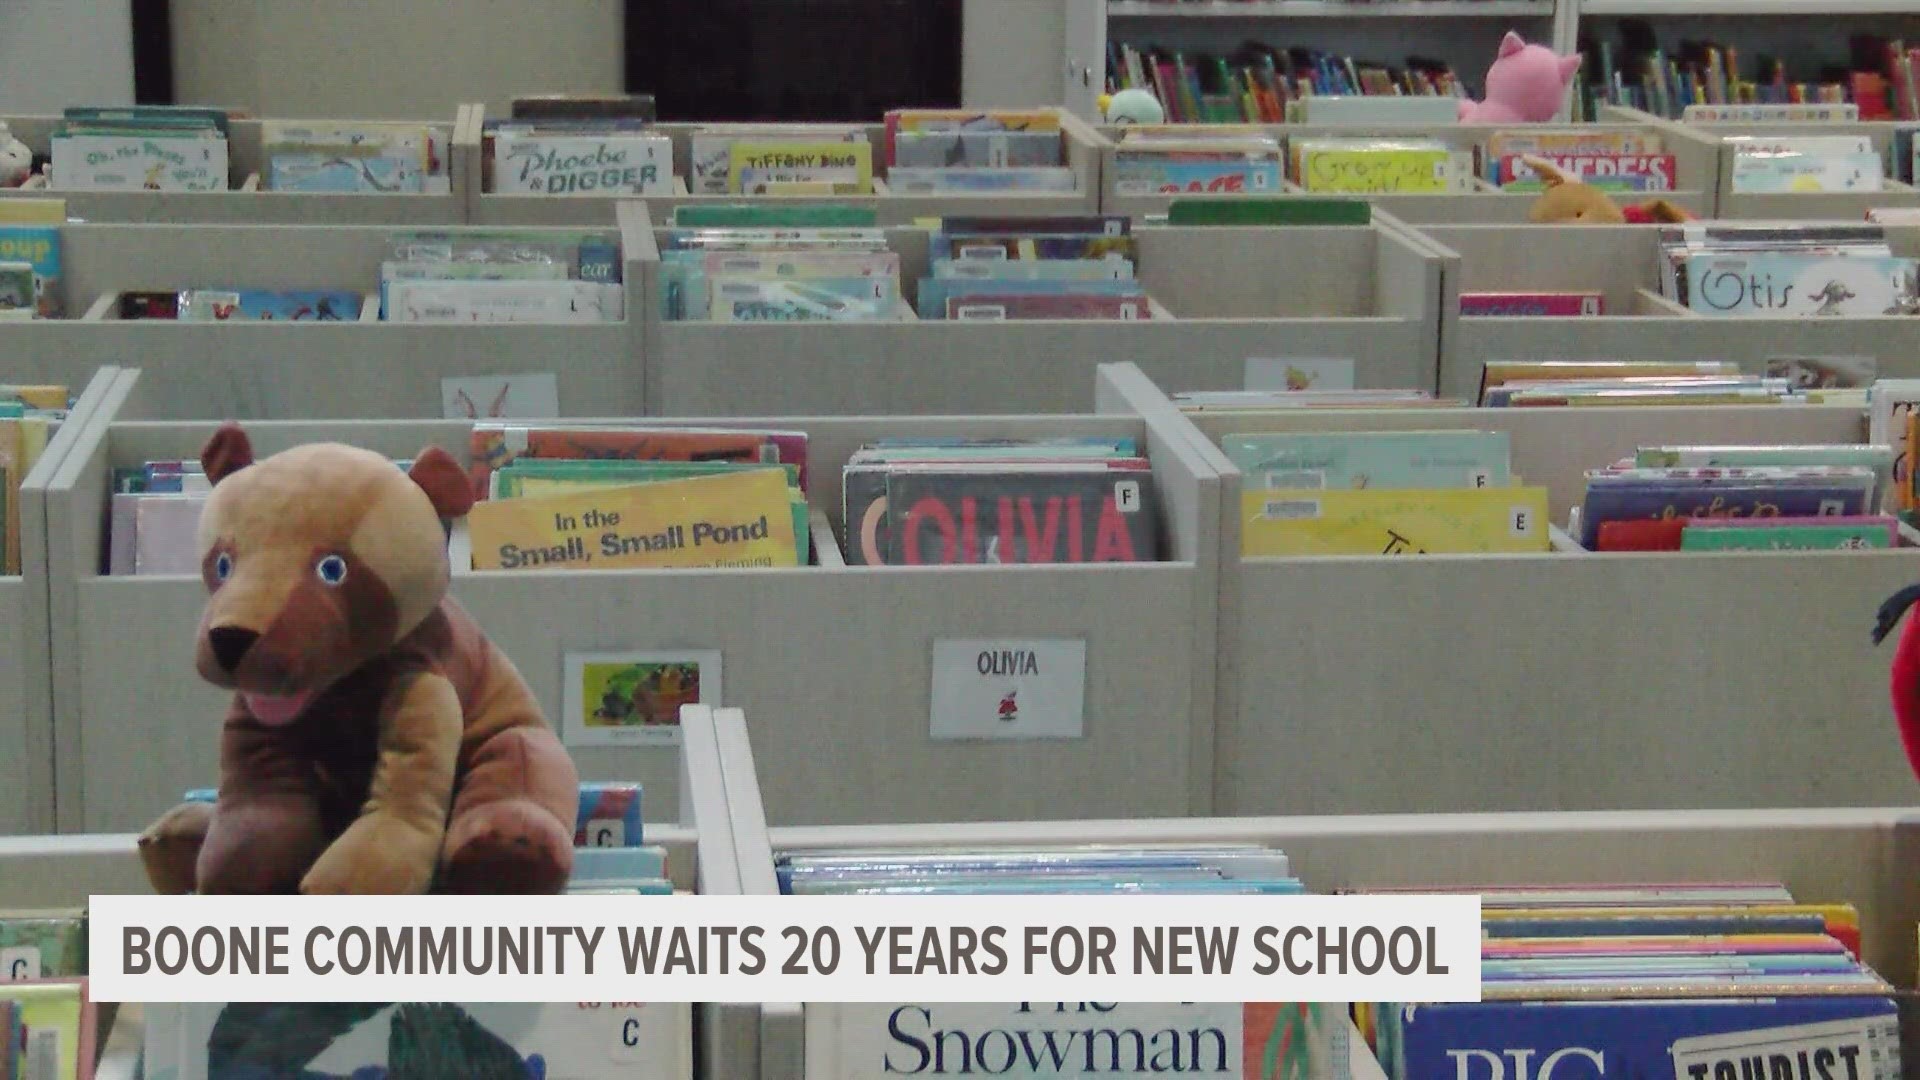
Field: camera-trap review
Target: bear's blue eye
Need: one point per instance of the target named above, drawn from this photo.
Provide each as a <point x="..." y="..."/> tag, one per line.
<point x="332" y="570"/>
<point x="222" y="566"/>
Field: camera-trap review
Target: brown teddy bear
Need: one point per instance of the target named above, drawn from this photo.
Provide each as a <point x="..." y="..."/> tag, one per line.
<point x="377" y="741"/>
<point x="1567" y="199"/>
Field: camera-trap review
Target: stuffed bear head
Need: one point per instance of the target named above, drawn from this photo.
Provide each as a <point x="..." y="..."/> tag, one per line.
<point x="316" y="560"/>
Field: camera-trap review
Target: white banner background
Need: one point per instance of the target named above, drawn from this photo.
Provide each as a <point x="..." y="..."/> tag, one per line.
<point x="799" y="923"/>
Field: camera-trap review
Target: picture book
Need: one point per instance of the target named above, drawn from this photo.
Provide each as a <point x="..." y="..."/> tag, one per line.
<point x="571" y="301"/>
<point x="356" y="158"/>
<point x="1801" y="284"/>
<point x="711" y="149"/>
<point x="609" y="814"/>
<point x="1255" y="1041"/>
<point x="757" y="168"/>
<point x="936" y="293"/>
<point x="1781" y="534"/>
<point x="136" y="160"/>
<point x="741" y="519"/>
<point x="626" y="163"/>
<point x="990" y="306"/>
<point x="1172" y="174"/>
<point x="56" y="1023"/>
<point x="943" y="513"/>
<point x="905" y="180"/>
<point x="1513" y="304"/>
<point x="282" y="305"/>
<point x="1879" y="458"/>
<point x="38" y="248"/>
<point x="1627" y="494"/>
<point x="1373" y="460"/>
<point x="44" y="944"/>
<point x="493" y="446"/>
<point x="1380" y="521"/>
<point x="534" y="479"/>
<point x="1498" y="373"/>
<point x="1356" y="166"/>
<point x="957" y="149"/>
<point x="1618" y="172"/>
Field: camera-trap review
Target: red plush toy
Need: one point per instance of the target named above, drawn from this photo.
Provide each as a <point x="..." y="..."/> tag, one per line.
<point x="1906" y="668"/>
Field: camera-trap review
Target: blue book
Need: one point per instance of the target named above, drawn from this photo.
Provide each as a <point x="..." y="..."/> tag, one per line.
<point x="609" y="814"/>
<point x="1654" y="926"/>
<point x="38" y="246"/>
<point x="1373" y="459"/>
<point x="203" y="795"/>
<point x="613" y="863"/>
<point x="1855" y="1037"/>
<point x="1645" y="494"/>
<point x="274" y="305"/>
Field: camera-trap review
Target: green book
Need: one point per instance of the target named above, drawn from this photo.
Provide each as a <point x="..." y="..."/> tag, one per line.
<point x="774" y="215"/>
<point x="1273" y="210"/>
<point x="50" y="944"/>
<point x="1861" y="536"/>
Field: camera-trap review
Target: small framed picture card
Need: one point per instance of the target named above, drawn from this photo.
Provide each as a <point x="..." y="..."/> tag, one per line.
<point x="634" y="698"/>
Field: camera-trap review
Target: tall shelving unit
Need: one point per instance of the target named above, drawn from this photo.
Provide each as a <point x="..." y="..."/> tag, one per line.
<point x="1808" y="34"/>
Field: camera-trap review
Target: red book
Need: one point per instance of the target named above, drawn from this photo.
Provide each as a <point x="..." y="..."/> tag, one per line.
<point x="1645" y="535"/>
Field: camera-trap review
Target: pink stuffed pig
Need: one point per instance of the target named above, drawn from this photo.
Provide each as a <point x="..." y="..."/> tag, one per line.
<point x="1526" y="84"/>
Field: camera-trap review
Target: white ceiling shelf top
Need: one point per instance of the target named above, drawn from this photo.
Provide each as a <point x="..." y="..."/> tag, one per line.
<point x="1805" y="9"/>
<point x="1334" y="9"/>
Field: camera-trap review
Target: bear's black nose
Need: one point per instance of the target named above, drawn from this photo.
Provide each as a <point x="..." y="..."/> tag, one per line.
<point x="230" y="644"/>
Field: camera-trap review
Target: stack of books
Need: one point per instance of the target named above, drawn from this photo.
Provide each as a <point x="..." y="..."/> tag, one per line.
<point x="1758" y="498"/>
<point x="140" y="148"/>
<point x="1033" y="268"/>
<point x="781" y="159"/>
<point x="355" y="158"/>
<point x="1218" y="1038"/>
<point x="1685" y="980"/>
<point x="1171" y="160"/>
<point x="1702" y="81"/>
<point x="1813" y="380"/>
<point x="1384" y="493"/>
<point x="1821" y="271"/>
<point x="577" y="497"/>
<point x="780" y="275"/>
<point x="914" y="502"/>
<point x="1258" y="83"/>
<point x="944" y="151"/>
<point x="603" y="156"/>
<point x="503" y="276"/>
<point x="29" y="415"/>
<point x="154" y="519"/>
<point x="1776" y="164"/>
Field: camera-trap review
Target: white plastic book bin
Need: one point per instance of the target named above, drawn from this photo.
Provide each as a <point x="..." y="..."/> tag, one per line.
<point x="893" y="207"/>
<point x="283" y="370"/>
<point x="26" y="663"/>
<point x="1622" y="261"/>
<point x="1808" y="206"/>
<point x="245" y="202"/>
<point x="1558" y="681"/>
<point x="1370" y="294"/>
<point x="1696" y="164"/>
<point x="62" y="871"/>
<point x="846" y="652"/>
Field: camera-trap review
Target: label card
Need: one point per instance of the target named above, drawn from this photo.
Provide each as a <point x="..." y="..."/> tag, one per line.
<point x="533" y="396"/>
<point x="1320" y="373"/>
<point x="19" y="962"/>
<point x="606" y="832"/>
<point x="634" y="699"/>
<point x="1009" y="689"/>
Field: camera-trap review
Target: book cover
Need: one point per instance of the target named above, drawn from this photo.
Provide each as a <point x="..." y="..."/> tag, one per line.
<point x="711" y="151"/>
<point x="1856" y="1037"/>
<point x="741" y="519"/>
<point x="1258" y="1041"/>
<point x="1800" y="284"/>
<point x="1511" y="304"/>
<point x="609" y="814"/>
<point x="48" y="944"/>
<point x="570" y="301"/>
<point x="1640" y="535"/>
<point x="1643" y="172"/>
<point x="1166" y="174"/>
<point x="976" y="149"/>
<point x="56" y="1021"/>
<point x="754" y="166"/>
<point x="627" y="164"/>
<point x="1733" y="493"/>
<point x="1375" y="460"/>
<point x="39" y="247"/>
<point x="1278" y="523"/>
<point x="148" y="161"/>
<point x="1789" y="535"/>
<point x="1351" y="169"/>
<point x="281" y="305"/>
<point x="942" y="513"/>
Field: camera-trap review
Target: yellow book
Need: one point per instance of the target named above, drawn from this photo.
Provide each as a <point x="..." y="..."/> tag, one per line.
<point x="54" y="1016"/>
<point x="32" y="211"/>
<point x="1375" y="170"/>
<point x="759" y="167"/>
<point x="732" y="519"/>
<point x="1392" y="522"/>
<point x="35" y="397"/>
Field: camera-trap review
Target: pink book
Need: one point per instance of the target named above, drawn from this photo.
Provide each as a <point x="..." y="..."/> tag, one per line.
<point x="1583" y="302"/>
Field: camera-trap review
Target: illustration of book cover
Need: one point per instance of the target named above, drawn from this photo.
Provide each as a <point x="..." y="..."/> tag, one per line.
<point x="56" y="1023"/>
<point x="348" y="158"/>
<point x="1388" y="522"/>
<point x="1377" y="460"/>
<point x="39" y="247"/>
<point x="712" y="151"/>
<point x="282" y="305"/>
<point x="1166" y="174"/>
<point x="1554" y="144"/>
<point x="976" y="149"/>
<point x="1638" y="172"/>
<point x="146" y="161"/>
<point x="494" y="446"/>
<point x="624" y="164"/>
<point x="1517" y="304"/>
<point x="944" y="513"/>
<point x="754" y="165"/>
<point x="1749" y="494"/>
<point x="44" y="944"/>
<point x="741" y="519"/>
<point x="526" y="479"/>
<point x="1257" y="1041"/>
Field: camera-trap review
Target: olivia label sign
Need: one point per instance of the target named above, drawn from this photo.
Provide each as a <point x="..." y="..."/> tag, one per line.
<point x="1009" y="689"/>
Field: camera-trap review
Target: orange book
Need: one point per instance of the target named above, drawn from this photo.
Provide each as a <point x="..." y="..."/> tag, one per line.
<point x="494" y="446"/>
